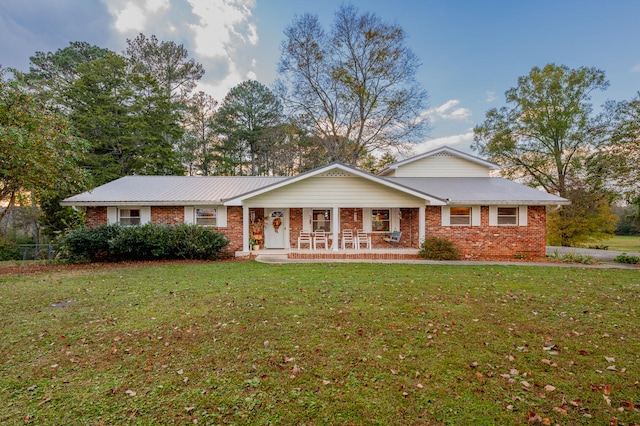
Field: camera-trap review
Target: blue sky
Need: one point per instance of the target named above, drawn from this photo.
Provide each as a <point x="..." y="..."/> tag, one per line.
<point x="472" y="50"/>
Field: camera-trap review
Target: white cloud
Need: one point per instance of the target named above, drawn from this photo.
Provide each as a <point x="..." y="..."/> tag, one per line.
<point x="129" y="18"/>
<point x="460" y="142"/>
<point x="222" y="25"/>
<point x="635" y="68"/>
<point x="491" y="96"/>
<point x="447" y="111"/>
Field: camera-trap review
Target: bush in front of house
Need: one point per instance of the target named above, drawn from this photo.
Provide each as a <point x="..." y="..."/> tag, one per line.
<point x="110" y="243"/>
<point x="438" y="248"/>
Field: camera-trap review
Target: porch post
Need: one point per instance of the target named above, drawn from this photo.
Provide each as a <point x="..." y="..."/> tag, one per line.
<point x="335" y="219"/>
<point x="421" y="225"/>
<point x="245" y="228"/>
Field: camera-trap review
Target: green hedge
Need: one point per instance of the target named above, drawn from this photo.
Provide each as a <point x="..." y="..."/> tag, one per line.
<point x="437" y="248"/>
<point x="112" y="243"/>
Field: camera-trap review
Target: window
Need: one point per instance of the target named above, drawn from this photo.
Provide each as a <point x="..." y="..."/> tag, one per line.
<point x="129" y="217"/>
<point x="380" y="220"/>
<point x="321" y="219"/>
<point x="460" y="216"/>
<point x="507" y="216"/>
<point x="206" y="216"/>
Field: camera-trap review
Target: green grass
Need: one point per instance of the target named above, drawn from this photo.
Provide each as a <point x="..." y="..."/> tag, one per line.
<point x="621" y="243"/>
<point x="315" y="344"/>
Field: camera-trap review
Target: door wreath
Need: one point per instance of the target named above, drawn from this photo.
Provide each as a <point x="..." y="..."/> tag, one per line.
<point x="276" y="223"/>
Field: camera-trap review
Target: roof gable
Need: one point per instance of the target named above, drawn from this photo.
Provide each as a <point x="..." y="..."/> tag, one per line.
<point x="441" y="162"/>
<point x="335" y="169"/>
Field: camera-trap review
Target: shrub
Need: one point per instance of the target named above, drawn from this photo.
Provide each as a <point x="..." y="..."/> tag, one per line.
<point x="146" y="242"/>
<point x="9" y="250"/>
<point x="437" y="248"/>
<point x="625" y="258"/>
<point x="572" y="257"/>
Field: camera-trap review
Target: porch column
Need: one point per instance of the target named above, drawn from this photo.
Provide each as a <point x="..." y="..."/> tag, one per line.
<point x="245" y="228"/>
<point x="421" y="225"/>
<point x="335" y="224"/>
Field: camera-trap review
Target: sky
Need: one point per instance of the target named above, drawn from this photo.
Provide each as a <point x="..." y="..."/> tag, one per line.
<point x="472" y="51"/>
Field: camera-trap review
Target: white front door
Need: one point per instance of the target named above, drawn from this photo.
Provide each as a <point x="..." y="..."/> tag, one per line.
<point x="276" y="226"/>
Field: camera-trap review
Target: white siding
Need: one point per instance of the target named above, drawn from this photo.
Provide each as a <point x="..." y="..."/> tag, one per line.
<point x="318" y="191"/>
<point x="442" y="165"/>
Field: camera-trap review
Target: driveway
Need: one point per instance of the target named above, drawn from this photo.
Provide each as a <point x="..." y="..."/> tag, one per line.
<point x="599" y="255"/>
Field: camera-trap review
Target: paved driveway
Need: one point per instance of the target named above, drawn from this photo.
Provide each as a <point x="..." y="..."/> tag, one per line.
<point x="601" y="255"/>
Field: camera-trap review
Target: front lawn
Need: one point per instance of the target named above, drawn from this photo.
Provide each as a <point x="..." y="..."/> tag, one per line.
<point x="313" y="344"/>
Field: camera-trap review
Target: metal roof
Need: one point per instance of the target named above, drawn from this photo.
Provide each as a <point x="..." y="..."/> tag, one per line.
<point x="478" y="190"/>
<point x="170" y="190"/>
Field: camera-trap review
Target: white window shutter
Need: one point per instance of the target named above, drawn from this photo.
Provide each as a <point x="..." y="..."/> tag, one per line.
<point x="306" y="220"/>
<point x="145" y="215"/>
<point x="522" y="216"/>
<point x="221" y="216"/>
<point x="189" y="215"/>
<point x="112" y="215"/>
<point x="366" y="220"/>
<point x="446" y="215"/>
<point x="475" y="215"/>
<point x="493" y="216"/>
<point x="395" y="220"/>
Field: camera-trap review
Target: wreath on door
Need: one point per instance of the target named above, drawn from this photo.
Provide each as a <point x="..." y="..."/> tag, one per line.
<point x="276" y="223"/>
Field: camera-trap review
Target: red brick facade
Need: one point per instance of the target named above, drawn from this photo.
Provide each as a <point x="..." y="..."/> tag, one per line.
<point x="483" y="240"/>
<point x="493" y="241"/>
<point x="96" y="216"/>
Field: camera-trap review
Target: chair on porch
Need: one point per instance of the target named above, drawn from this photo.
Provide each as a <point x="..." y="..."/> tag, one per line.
<point x="305" y="238"/>
<point x="320" y="237"/>
<point x="348" y="238"/>
<point x="363" y="238"/>
<point x="394" y="237"/>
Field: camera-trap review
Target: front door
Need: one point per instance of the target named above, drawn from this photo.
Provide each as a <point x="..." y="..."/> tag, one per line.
<point x="275" y="228"/>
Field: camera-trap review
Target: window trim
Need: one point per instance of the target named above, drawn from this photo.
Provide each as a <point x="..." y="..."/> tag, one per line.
<point x="389" y="220"/>
<point x="130" y="217"/>
<point x="469" y="216"/>
<point x="196" y="217"/>
<point x="515" y="216"/>
<point x="329" y="219"/>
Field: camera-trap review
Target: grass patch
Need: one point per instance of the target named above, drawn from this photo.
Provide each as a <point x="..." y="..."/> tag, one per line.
<point x="248" y="343"/>
<point x="622" y="243"/>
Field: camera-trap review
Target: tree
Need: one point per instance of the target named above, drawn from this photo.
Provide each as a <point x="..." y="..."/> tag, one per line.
<point x="38" y="152"/>
<point x="354" y="87"/>
<point x="622" y="153"/>
<point x="50" y="73"/>
<point x="247" y="113"/>
<point x="199" y="143"/>
<point x="549" y="131"/>
<point x="125" y="117"/>
<point x="167" y="62"/>
<point x="548" y="137"/>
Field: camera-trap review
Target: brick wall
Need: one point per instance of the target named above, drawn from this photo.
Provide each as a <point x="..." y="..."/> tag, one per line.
<point x="96" y="216"/>
<point x="493" y="241"/>
<point x="167" y="215"/>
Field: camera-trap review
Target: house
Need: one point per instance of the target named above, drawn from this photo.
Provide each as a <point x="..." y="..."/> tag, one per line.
<point x="444" y="192"/>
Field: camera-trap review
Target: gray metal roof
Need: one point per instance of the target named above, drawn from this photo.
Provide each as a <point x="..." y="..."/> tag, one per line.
<point x="477" y="190"/>
<point x="170" y="190"/>
<point x="194" y="190"/>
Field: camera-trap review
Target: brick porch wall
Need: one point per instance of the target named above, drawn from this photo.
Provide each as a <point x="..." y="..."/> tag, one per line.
<point x="493" y="241"/>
